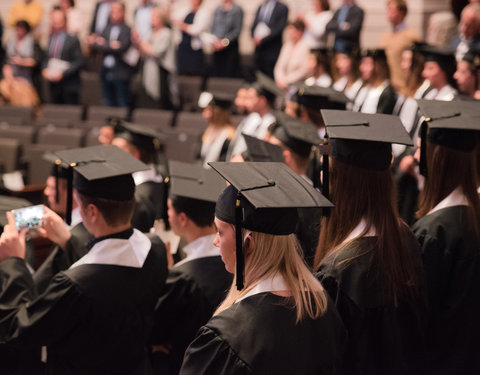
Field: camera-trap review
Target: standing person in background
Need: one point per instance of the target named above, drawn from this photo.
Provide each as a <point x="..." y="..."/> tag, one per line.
<point x="190" y="58"/>
<point x="112" y="44"/>
<point x="346" y="24"/>
<point x="22" y="51"/>
<point x="316" y="23"/>
<point x="75" y="22"/>
<point x="2" y="49"/>
<point x="63" y="61"/>
<point x="267" y="30"/>
<point x="159" y="75"/>
<point x="28" y="10"/>
<point x="142" y="24"/>
<point x="292" y="66"/>
<point x="469" y="31"/>
<point x="227" y="26"/>
<point x="101" y="16"/>
<point x="395" y="41"/>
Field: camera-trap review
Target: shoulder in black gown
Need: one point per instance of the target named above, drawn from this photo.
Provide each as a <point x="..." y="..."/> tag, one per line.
<point x="258" y="335"/>
<point x="451" y="259"/>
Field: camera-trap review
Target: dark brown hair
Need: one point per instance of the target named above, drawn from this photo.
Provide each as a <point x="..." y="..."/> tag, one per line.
<point x="114" y="212"/>
<point x="370" y="195"/>
<point x="448" y="169"/>
<point x="401" y="6"/>
<point x="415" y="78"/>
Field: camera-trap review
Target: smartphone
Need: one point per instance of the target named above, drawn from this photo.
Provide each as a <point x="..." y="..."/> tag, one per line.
<point x="29" y="217"/>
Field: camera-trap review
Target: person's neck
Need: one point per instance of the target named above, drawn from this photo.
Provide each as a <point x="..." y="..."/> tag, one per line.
<point x="297" y="169"/>
<point x="103" y="230"/>
<point x="439" y="85"/>
<point x="194" y="232"/>
<point x="263" y="111"/>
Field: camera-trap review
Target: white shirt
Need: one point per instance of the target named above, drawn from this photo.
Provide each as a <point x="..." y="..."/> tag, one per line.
<point x="446" y="93"/>
<point x="368" y="98"/>
<point x="146" y="176"/>
<point x="119" y="252"/>
<point x="455" y="198"/>
<point x="315" y="35"/>
<point x="271" y="284"/>
<point x="76" y="218"/>
<point x="202" y="247"/>
<point x="323" y="81"/>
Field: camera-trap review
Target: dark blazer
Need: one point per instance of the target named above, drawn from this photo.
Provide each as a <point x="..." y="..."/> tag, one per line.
<point x="121" y="70"/>
<point x="94" y="20"/>
<point x="474" y="46"/>
<point x="271" y="44"/>
<point x="71" y="52"/>
<point x="387" y="100"/>
<point x="350" y="37"/>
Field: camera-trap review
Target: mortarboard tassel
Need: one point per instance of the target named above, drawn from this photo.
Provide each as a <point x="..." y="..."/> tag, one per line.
<point x="325" y="176"/>
<point x="68" y="216"/>
<point x="166" y="184"/>
<point x="423" y="149"/>
<point x="239" y="244"/>
<point x="57" y="174"/>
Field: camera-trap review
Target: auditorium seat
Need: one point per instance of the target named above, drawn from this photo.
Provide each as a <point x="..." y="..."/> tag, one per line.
<point x="24" y="115"/>
<point x="68" y="137"/>
<point x="183" y="144"/>
<point x="99" y="113"/>
<point x="10" y="150"/>
<point x="227" y="85"/>
<point x="190" y="120"/>
<point x="190" y="88"/>
<point x="157" y="118"/>
<point x="25" y="134"/>
<point x="71" y="112"/>
<point x="38" y="169"/>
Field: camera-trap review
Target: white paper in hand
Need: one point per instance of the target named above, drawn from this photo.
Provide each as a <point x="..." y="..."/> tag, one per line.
<point x="167" y="236"/>
<point x="261" y="31"/>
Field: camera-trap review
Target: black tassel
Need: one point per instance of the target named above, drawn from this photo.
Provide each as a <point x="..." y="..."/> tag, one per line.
<point x="326" y="178"/>
<point x="68" y="216"/>
<point x="423" y="150"/>
<point x="57" y="174"/>
<point x="239" y="244"/>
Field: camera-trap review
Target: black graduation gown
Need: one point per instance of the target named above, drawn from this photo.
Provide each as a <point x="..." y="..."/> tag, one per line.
<point x="192" y="293"/>
<point x="93" y="318"/>
<point x="382" y="339"/>
<point x="451" y="259"/>
<point x="308" y="231"/>
<point x="148" y="207"/>
<point x="60" y="260"/>
<point x="258" y="335"/>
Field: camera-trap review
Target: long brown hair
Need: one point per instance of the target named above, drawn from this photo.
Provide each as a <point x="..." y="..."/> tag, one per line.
<point x="370" y="195"/>
<point x="275" y="254"/>
<point x="415" y="78"/>
<point x="448" y="169"/>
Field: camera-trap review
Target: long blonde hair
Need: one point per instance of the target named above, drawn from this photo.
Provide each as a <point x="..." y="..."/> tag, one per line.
<point x="273" y="255"/>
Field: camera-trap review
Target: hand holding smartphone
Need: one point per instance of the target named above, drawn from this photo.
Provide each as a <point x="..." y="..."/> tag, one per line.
<point x="29" y="217"/>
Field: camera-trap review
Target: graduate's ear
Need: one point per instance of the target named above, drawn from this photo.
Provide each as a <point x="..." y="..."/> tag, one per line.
<point x="183" y="219"/>
<point x="287" y="156"/>
<point x="93" y="213"/>
<point x="248" y="243"/>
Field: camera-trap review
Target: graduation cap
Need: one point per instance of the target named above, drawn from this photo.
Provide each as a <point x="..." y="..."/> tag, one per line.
<point x="362" y="140"/>
<point x="261" y="151"/>
<point x="100" y="171"/>
<point x="142" y="137"/>
<point x="262" y="197"/>
<point x="195" y="182"/>
<point x="297" y="135"/>
<point x="316" y="97"/>
<point x="59" y="170"/>
<point x="452" y="124"/>
<point x="473" y="58"/>
<point x="218" y="99"/>
<point x="265" y="86"/>
<point x="375" y="54"/>
<point x="444" y="57"/>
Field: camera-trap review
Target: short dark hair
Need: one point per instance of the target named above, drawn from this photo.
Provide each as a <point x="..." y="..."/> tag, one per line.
<point x="114" y="212"/>
<point x="202" y="213"/>
<point x="24" y="25"/>
<point x="298" y="24"/>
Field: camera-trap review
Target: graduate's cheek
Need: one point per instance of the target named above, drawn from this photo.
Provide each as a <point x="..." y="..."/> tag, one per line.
<point x="225" y="239"/>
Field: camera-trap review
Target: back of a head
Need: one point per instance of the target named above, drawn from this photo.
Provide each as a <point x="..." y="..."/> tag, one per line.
<point x="201" y="212"/>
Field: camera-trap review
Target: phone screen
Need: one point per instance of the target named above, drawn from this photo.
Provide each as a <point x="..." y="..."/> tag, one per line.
<point x="29" y="217"/>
